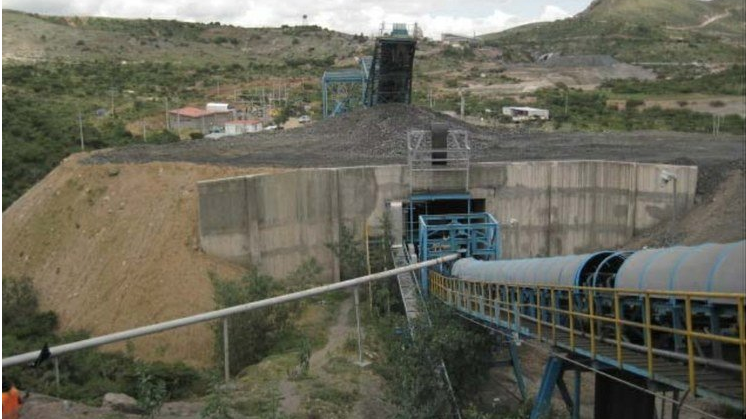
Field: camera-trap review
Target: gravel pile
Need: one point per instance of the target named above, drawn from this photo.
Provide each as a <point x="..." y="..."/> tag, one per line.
<point x="378" y="136"/>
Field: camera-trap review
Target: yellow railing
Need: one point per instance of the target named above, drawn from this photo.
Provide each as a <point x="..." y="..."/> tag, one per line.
<point x="506" y="303"/>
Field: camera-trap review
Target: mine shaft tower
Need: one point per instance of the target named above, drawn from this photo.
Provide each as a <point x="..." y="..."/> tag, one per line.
<point x="384" y="77"/>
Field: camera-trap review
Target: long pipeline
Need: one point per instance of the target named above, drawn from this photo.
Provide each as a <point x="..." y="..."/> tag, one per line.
<point x="217" y="314"/>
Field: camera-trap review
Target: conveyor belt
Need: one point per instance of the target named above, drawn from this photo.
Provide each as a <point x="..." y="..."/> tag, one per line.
<point x="712" y="379"/>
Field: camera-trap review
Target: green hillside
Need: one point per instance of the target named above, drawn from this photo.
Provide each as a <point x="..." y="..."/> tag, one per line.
<point x="120" y="73"/>
<point x="31" y="38"/>
<point x="637" y="31"/>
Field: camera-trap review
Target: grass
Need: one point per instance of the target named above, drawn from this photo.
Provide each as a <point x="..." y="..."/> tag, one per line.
<point x="323" y="394"/>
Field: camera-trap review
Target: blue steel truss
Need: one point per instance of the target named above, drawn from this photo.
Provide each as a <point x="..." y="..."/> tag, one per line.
<point x="342" y="90"/>
<point x="473" y="235"/>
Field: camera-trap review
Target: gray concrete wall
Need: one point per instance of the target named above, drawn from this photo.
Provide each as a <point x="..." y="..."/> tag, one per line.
<point x="276" y="221"/>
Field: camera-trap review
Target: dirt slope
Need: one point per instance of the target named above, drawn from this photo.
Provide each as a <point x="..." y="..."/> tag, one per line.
<point x="718" y="217"/>
<point x="112" y="247"/>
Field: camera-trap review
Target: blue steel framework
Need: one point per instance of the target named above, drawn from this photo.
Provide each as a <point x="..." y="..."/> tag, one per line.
<point x="342" y="90"/>
<point x="472" y="235"/>
<point x="423" y="200"/>
<point x="385" y="77"/>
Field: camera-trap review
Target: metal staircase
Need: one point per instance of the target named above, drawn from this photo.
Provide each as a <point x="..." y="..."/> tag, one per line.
<point x="410" y="292"/>
<point x="411" y="296"/>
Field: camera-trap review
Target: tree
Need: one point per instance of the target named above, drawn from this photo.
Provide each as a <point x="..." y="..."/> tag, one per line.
<point x="350" y="253"/>
<point x="252" y="334"/>
<point x="413" y="368"/>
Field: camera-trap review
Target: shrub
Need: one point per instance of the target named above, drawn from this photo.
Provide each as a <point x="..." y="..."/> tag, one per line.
<point x="252" y="334"/>
<point x="21" y="314"/>
<point x="151" y="392"/>
<point x="84" y="375"/>
<point x="412" y="367"/>
<point x="350" y="253"/>
<point x="717" y="103"/>
<point x="633" y="103"/>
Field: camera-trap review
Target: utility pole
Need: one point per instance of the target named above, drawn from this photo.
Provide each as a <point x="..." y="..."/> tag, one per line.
<point x="80" y="124"/>
<point x="167" y="122"/>
<point x="566" y="95"/>
<point x="111" y="92"/>
<point x="461" y="93"/>
<point x="144" y="132"/>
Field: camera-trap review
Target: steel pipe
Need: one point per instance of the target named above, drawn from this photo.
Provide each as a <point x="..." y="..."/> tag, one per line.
<point x="218" y="314"/>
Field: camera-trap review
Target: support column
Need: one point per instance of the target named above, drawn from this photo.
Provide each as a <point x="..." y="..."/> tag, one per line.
<point x="226" y="353"/>
<point x="335" y="221"/>
<point x="360" y="360"/>
<point x="576" y="398"/>
<point x="517" y="370"/>
<point x="57" y="374"/>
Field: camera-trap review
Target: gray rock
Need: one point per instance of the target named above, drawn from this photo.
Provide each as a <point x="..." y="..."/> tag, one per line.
<point x="121" y="403"/>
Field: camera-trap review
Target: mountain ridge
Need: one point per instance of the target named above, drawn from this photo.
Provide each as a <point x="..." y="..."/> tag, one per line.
<point x="637" y="31"/>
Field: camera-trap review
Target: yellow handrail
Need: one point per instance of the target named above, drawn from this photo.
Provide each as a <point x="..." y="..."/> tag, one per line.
<point x="506" y="300"/>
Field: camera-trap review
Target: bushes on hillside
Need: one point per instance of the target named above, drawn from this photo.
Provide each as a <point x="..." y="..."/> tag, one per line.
<point x="252" y="334"/>
<point x="84" y="375"/>
<point x="728" y="82"/>
<point x="412" y="370"/>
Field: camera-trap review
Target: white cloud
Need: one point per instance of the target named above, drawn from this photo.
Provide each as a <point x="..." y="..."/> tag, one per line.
<point x="551" y="12"/>
<point x="435" y="17"/>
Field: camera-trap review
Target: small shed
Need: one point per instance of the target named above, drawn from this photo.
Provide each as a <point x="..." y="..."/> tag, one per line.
<point x="238" y="127"/>
<point x="524" y="113"/>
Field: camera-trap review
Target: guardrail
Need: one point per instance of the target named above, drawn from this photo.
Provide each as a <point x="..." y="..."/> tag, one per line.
<point x="570" y="317"/>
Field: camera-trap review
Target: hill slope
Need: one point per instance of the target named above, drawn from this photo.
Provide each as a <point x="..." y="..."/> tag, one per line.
<point x="28" y="37"/>
<point x="111" y="247"/>
<point x="637" y="31"/>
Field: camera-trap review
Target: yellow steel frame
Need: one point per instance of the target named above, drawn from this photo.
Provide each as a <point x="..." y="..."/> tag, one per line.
<point x="507" y="297"/>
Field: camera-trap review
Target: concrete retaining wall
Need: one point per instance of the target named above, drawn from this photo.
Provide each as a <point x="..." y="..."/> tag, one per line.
<point x="545" y="208"/>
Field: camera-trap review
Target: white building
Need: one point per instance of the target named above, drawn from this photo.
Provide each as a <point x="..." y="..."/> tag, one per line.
<point x="523" y="113"/>
<point x="242" y="126"/>
<point x="218" y="107"/>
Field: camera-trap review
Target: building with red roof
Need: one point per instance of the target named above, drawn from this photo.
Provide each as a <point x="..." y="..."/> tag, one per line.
<point x="203" y="120"/>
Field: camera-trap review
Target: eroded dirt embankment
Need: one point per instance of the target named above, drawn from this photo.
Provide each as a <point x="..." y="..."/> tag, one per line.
<point x="111" y="247"/>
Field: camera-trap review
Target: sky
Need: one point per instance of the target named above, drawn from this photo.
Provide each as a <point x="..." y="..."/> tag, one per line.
<point x="466" y="17"/>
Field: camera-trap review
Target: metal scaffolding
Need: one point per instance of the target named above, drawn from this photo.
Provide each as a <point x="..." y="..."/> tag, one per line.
<point x="438" y="165"/>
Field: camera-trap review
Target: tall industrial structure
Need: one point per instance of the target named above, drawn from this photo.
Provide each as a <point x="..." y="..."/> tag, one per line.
<point x="384" y="77"/>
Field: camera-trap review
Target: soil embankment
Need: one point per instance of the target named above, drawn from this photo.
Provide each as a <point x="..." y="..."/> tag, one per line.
<point x="111" y="247"/>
